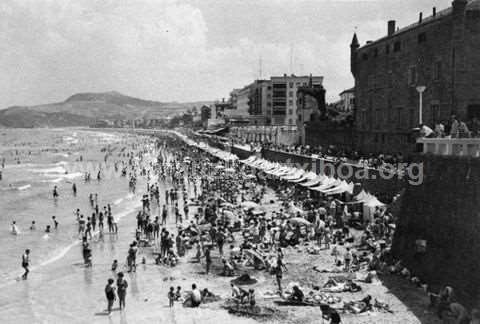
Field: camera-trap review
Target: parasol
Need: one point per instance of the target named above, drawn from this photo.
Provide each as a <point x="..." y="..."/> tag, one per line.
<point x="300" y="221"/>
<point x="249" y="204"/>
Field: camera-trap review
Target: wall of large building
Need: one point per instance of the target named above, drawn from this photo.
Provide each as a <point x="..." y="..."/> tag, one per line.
<point x="324" y="133"/>
<point x="441" y="53"/>
<point x="443" y="211"/>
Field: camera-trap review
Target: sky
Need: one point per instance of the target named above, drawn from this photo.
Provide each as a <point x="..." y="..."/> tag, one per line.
<point x="182" y="50"/>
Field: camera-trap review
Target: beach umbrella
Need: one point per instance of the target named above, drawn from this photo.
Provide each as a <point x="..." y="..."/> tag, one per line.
<point x="230" y="170"/>
<point x="227" y="205"/>
<point x="254" y="255"/>
<point x="219" y="167"/>
<point x="300" y="221"/>
<point x="249" y="204"/>
<point x="258" y="212"/>
<point x="230" y="215"/>
<point x="250" y="176"/>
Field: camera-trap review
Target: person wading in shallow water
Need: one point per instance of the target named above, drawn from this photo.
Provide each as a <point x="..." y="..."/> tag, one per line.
<point x="25" y="263"/>
<point x="55" y="192"/>
<point x="110" y="295"/>
<point x="122" y="286"/>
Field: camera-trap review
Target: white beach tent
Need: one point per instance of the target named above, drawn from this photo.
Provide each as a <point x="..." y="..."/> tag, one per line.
<point x="281" y="171"/>
<point x="328" y="183"/>
<point x="306" y="177"/>
<point x="296" y="175"/>
<point x="343" y="187"/>
<point x="314" y="182"/>
<point x="370" y="203"/>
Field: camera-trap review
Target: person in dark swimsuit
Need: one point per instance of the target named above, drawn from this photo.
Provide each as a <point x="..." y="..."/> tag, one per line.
<point x="25" y="263"/>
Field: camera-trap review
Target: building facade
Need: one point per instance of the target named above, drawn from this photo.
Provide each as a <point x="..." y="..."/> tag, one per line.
<point x="243" y="102"/>
<point x="440" y="53"/>
<point x="347" y="100"/>
<point x="284" y="97"/>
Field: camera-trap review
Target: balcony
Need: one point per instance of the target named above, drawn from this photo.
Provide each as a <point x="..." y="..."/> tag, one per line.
<point x="451" y="146"/>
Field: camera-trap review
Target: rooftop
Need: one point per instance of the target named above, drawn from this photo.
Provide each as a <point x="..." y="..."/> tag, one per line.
<point x="439" y="15"/>
<point x="347" y="91"/>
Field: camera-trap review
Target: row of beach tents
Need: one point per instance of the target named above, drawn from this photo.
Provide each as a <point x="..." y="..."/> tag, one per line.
<point x="222" y="155"/>
<point x="326" y="185"/>
<point x="308" y="179"/>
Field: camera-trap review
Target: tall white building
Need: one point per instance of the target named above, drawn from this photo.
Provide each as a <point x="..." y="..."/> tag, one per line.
<point x="347" y="100"/>
<point x="284" y="97"/>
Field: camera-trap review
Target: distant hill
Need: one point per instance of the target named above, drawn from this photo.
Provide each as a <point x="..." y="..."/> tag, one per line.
<point x="83" y="109"/>
<point x="28" y="118"/>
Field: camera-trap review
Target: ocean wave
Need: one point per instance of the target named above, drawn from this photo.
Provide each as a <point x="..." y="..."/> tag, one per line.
<point x="118" y="201"/>
<point x="68" y="176"/>
<point x="19" y="188"/>
<point x="25" y="187"/>
<point x="58" y="169"/>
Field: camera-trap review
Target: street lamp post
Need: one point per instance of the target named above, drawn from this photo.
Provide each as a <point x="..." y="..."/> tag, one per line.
<point x="420" y="90"/>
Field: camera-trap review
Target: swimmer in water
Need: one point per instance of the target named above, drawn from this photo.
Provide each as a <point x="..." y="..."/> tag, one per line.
<point x="55" y="223"/>
<point x="32" y="227"/>
<point x="55" y="192"/>
<point x="114" y="265"/>
<point x="25" y="263"/>
<point x="47" y="230"/>
<point x="14" y="228"/>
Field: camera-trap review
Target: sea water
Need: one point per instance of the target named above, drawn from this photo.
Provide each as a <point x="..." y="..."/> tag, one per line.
<point x="36" y="161"/>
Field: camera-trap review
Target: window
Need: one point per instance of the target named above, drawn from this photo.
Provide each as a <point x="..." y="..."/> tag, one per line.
<point x="290" y="102"/>
<point x="437" y="70"/>
<point x="377" y="118"/>
<point x="390" y="112"/>
<point x="422" y="38"/>
<point x="290" y="93"/>
<point x="397" y="46"/>
<point x="435" y="114"/>
<point x="375" y="52"/>
<point x="290" y="121"/>
<point x="390" y="79"/>
<point x="412" y="75"/>
<point x="399" y="118"/>
<point x="269" y="104"/>
<point x="300" y="117"/>
<point x="290" y="84"/>
<point x="411" y="118"/>
<point x="290" y="111"/>
<point x="387" y="49"/>
<point x="371" y="82"/>
<point x="365" y="56"/>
